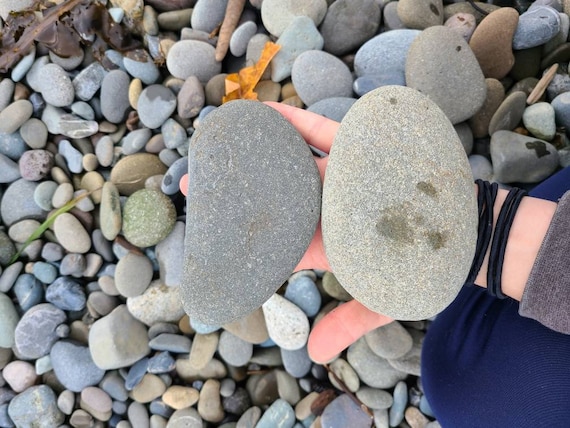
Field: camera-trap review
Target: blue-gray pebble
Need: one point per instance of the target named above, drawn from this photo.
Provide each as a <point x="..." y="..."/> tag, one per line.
<point x="162" y="362"/>
<point x="73" y="366"/>
<point x="136" y="373"/>
<point x="169" y="185"/>
<point x="115" y="96"/>
<point x="143" y="67"/>
<point x="399" y="405"/>
<point x="317" y="75"/>
<point x="67" y="294"/>
<point x="240" y="148"/>
<point x="279" y="414"/>
<point x="334" y="108"/>
<point x="536" y="26"/>
<point x="304" y="293"/>
<point x="28" y="291"/>
<point x="156" y="104"/>
<point x="344" y="412"/>
<point x="364" y="84"/>
<point x="36" y="331"/>
<point x="297" y="363"/>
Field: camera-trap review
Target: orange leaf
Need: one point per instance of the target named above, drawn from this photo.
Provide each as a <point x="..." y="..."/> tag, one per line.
<point x="240" y="85"/>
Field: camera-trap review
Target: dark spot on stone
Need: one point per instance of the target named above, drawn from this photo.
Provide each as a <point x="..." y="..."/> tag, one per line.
<point x="436" y="239"/>
<point x="539" y="147"/>
<point x="427" y="188"/>
<point x="458" y="48"/>
<point x="393" y="101"/>
<point x="167" y="179"/>
<point x="394" y="225"/>
<point x="434" y="9"/>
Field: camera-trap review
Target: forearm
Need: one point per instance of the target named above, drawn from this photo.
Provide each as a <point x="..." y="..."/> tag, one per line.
<point x="525" y="239"/>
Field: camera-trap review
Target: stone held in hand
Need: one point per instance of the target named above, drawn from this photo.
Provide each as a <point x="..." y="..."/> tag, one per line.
<point x="252" y="208"/>
<point x="399" y="212"/>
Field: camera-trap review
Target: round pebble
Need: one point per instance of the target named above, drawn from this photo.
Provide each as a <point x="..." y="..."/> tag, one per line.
<point x="180" y="397"/>
<point x="148" y="217"/>
<point x="277" y="14"/>
<point x="20" y="375"/>
<point x="71" y="234"/>
<point x="56" y="86"/>
<point x="193" y="58"/>
<point x="133" y="274"/>
<point x="233" y="350"/>
<point x="287" y="324"/>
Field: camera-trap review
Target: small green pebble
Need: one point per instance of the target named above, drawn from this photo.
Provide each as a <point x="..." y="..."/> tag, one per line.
<point x="148" y="217"/>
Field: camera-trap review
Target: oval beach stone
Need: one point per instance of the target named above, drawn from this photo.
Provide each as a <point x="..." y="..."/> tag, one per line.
<point x="252" y="208"/>
<point x="399" y="211"/>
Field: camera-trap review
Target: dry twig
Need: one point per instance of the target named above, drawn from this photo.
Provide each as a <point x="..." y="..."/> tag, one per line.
<point x="231" y="19"/>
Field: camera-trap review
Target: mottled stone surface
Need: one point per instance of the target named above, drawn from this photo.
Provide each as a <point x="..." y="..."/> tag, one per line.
<point x="252" y="208"/>
<point x="399" y="212"/>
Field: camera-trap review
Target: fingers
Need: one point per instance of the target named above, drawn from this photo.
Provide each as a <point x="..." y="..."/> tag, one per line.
<point x="340" y="328"/>
<point x="315" y="257"/>
<point x="183" y="184"/>
<point x="317" y="130"/>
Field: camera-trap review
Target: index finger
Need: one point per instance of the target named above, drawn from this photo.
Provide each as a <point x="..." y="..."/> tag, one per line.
<point x="317" y="130"/>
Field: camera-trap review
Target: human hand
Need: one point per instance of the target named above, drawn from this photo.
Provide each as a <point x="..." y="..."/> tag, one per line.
<point x="348" y="322"/>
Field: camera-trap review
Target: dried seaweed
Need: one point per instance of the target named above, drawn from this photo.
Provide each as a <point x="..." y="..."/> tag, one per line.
<point x="62" y="29"/>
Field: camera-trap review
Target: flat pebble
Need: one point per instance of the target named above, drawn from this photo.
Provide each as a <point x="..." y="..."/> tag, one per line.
<point x="241" y="36"/>
<point x="214" y="369"/>
<point x="343" y="412"/>
<point x="156" y="103"/>
<point x="148" y="389"/>
<point x="400" y="400"/>
<point x="280" y="413"/>
<point x="14" y="115"/>
<point x="180" y="397"/>
<point x="251" y="328"/>
<point x="56" y="86"/>
<point x="539" y="120"/>
<point x="276" y="15"/>
<point x="66" y="294"/>
<point x="308" y="73"/>
<point x="89" y="81"/>
<point x="75" y="127"/>
<point x="37" y="407"/>
<point x="305" y="294"/>
<point x="71" y="234"/>
<point x="374" y="398"/>
<point x="386" y="52"/>
<point x="348" y="24"/>
<point x="18" y="203"/>
<point x="143" y="67"/>
<point x="114" y="385"/>
<point x="193" y="58"/>
<point x="207" y="14"/>
<point x="372" y="369"/>
<point x="233" y="350"/>
<point x="174" y="343"/>
<point x="536" y="26"/>
<point x="108" y="348"/>
<point x="28" y="291"/>
<point x="136" y="373"/>
<point x="8" y="321"/>
<point x="297" y="363"/>
<point x="395" y="110"/>
<point x="73" y="366"/>
<point x="420" y="14"/>
<point x="287" y="324"/>
<point x="492" y="42"/>
<point x="133" y="274"/>
<point x="203" y="349"/>
<point x="9" y="170"/>
<point x="161" y="362"/>
<point x="20" y="375"/>
<point x="209" y="404"/>
<point x="34" y="133"/>
<point x="10" y="274"/>
<point x="97" y="402"/>
<point x="299" y="36"/>
<point x="242" y="241"/>
<point x="191" y="98"/>
<point x="410" y="362"/>
<point x="389" y="341"/>
<point x="520" y="158"/>
<point x="148" y="217"/>
<point x="114" y="96"/>
<point x="440" y="57"/>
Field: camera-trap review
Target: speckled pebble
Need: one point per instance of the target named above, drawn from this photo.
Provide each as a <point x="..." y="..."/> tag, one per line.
<point x="37" y="407"/>
<point x="89" y="81"/>
<point x="158" y="303"/>
<point x="287" y="324"/>
<point x="148" y="217"/>
<point x="56" y="86"/>
<point x="35" y="165"/>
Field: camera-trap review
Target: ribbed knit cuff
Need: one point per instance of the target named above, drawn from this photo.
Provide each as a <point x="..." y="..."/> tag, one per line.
<point x="546" y="297"/>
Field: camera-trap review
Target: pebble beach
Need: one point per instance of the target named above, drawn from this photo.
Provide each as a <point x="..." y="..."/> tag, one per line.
<point x="94" y="229"/>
